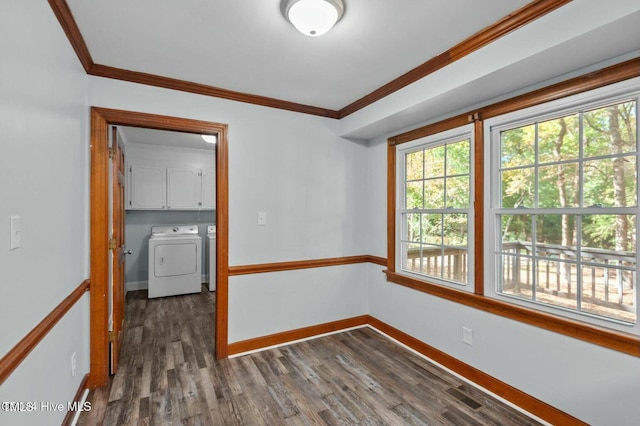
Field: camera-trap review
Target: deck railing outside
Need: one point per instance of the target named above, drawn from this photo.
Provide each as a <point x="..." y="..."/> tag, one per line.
<point x="607" y="276"/>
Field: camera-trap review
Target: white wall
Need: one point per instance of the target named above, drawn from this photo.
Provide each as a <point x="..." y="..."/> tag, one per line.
<point x="44" y="180"/>
<point x="280" y="301"/>
<point x="594" y="384"/>
<point x="44" y="378"/>
<point x="311" y="184"/>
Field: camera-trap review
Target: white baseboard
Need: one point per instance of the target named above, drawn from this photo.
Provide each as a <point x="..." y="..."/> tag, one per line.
<point x="136" y="285"/>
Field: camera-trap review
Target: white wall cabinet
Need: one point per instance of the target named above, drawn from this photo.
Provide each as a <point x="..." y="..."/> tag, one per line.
<point x="148" y="190"/>
<point x="163" y="177"/>
<point x="158" y="188"/>
<point x="184" y="189"/>
<point x="209" y="189"/>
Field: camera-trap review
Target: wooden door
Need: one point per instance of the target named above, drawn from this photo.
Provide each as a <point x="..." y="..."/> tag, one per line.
<point x="118" y="252"/>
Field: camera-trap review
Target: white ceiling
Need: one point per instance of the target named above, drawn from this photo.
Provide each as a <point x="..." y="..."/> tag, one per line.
<point x="163" y="137"/>
<point x="248" y="46"/>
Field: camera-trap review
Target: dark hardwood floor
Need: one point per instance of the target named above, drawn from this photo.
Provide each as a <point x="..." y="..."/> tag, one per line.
<point x="168" y="376"/>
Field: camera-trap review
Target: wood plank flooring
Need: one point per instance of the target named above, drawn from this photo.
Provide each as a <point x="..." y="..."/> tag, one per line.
<point x="168" y="376"/>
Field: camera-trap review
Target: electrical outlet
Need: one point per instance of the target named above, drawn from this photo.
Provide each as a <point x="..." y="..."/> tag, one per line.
<point x="73" y="364"/>
<point x="467" y="335"/>
<point x="262" y="218"/>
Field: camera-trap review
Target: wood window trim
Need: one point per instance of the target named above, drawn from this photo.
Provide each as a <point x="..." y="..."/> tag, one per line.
<point x="615" y="340"/>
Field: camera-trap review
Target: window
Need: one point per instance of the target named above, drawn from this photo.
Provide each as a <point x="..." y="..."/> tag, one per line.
<point x="561" y="233"/>
<point x="541" y="227"/>
<point x="435" y="219"/>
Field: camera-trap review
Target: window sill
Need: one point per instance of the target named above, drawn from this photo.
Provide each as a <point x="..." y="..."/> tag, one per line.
<point x="615" y="340"/>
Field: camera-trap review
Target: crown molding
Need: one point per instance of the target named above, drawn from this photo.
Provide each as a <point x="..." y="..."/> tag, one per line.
<point x="509" y="23"/>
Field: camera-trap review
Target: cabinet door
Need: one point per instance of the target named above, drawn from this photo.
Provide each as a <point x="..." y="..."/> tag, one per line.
<point x="184" y="187"/>
<point x="148" y="188"/>
<point x="208" y="189"/>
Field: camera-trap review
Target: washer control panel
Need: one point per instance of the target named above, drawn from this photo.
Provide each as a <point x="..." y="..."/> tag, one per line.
<point x="177" y="230"/>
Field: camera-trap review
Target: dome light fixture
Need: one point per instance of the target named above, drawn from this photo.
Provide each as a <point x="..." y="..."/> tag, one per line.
<point x="212" y="139"/>
<point x="312" y="17"/>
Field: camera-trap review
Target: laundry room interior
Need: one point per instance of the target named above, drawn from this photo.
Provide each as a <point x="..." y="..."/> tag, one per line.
<point x="170" y="189"/>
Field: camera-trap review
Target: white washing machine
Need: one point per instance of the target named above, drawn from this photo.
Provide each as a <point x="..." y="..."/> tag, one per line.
<point x="211" y="250"/>
<point x="174" y="260"/>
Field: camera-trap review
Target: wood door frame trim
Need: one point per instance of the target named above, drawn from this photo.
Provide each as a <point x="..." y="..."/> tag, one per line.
<point x="101" y="118"/>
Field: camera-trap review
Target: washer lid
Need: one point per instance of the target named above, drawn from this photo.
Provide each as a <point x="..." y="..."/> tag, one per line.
<point x="174" y="231"/>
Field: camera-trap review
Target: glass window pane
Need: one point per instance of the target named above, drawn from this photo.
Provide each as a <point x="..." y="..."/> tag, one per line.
<point x="413" y="230"/>
<point x="414" y="195"/>
<point x="458" y="158"/>
<point x="556" y="231"/>
<point x="517" y="187"/>
<point x="609" y="292"/>
<point x="561" y="288"/>
<point x="558" y="186"/>
<point x="412" y="255"/>
<point x="458" y="192"/>
<point x="455" y="265"/>
<point x="517" y="231"/>
<point x="558" y="139"/>
<point x="547" y="273"/>
<point x="517" y="146"/>
<point x="610" y="130"/>
<point x="434" y="194"/>
<point x="455" y="229"/>
<point x="432" y="228"/>
<point x="431" y="260"/>
<point x="517" y="276"/>
<point x="610" y="182"/>
<point x="434" y="161"/>
<point x="607" y="235"/>
<point x="415" y="165"/>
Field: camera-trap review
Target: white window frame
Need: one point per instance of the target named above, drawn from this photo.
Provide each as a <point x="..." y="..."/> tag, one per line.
<point x="448" y="136"/>
<point x="607" y="95"/>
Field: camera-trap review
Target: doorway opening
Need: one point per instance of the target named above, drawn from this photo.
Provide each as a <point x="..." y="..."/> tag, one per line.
<point x="101" y="120"/>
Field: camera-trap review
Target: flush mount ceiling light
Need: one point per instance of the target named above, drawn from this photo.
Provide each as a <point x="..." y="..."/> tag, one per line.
<point x="312" y="17"/>
<point x="210" y="138"/>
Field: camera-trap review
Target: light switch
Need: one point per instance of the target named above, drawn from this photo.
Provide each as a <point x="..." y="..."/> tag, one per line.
<point x="16" y="232"/>
<point x="262" y="218"/>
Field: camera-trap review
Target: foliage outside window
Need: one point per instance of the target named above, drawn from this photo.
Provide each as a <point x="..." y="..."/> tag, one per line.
<point x="434" y="207"/>
<point x="564" y="209"/>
